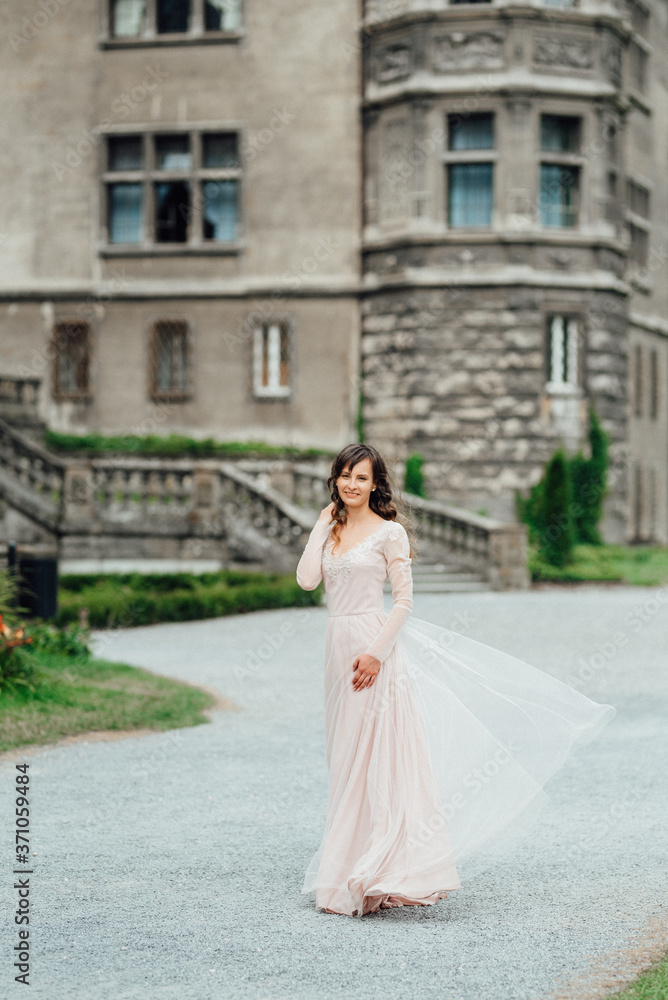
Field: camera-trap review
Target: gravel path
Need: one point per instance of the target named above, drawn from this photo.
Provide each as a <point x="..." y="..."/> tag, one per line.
<point x="169" y="866"/>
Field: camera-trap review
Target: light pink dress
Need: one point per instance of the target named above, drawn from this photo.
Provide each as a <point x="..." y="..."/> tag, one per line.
<point x="450" y="743"/>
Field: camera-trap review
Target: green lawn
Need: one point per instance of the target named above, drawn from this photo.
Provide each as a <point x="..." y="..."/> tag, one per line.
<point x="643" y="565"/>
<point x="651" y="985"/>
<point x="74" y="695"/>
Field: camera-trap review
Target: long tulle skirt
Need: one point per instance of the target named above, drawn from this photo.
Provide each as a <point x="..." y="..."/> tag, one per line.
<point x="446" y="753"/>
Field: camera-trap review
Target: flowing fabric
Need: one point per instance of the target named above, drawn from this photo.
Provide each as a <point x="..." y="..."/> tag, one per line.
<point x="452" y="742"/>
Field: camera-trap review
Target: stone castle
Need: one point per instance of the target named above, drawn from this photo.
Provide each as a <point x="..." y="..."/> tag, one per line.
<point x="245" y="221"/>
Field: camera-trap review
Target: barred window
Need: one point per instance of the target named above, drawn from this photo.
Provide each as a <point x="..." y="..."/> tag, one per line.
<point x="562" y="361"/>
<point x="271" y="360"/>
<point x="70" y="346"/>
<point x="169" y="360"/>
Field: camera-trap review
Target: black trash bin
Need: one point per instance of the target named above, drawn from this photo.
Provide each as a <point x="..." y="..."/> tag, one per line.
<point x="38" y="584"/>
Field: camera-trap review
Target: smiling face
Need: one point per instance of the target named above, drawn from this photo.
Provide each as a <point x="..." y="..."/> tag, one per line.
<point x="355" y="485"/>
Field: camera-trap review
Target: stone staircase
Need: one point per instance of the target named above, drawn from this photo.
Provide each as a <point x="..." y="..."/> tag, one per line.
<point x="245" y="512"/>
<point x="443" y="578"/>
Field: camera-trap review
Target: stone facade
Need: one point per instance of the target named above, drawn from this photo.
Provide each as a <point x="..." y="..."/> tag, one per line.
<point x="345" y="233"/>
<point x="71" y="88"/>
<point x="465" y="321"/>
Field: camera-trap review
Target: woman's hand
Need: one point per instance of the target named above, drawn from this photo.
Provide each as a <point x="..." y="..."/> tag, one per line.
<point x="366" y="668"/>
<point x="327" y="512"/>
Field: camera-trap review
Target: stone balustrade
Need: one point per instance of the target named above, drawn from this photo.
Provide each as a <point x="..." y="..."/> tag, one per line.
<point x="257" y="512"/>
<point x="19" y="391"/>
<point x="31" y="478"/>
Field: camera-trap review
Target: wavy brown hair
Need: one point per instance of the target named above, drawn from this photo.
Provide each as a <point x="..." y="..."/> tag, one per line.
<point x="381" y="500"/>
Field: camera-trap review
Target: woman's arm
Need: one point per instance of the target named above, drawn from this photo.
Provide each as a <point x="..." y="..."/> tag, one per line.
<point x="397" y="552"/>
<point x="309" y="569"/>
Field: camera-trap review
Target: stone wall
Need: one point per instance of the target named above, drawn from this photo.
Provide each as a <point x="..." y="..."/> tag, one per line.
<point x="459" y="375"/>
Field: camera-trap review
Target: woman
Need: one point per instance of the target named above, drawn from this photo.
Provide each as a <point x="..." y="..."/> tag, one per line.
<point x="435" y="742"/>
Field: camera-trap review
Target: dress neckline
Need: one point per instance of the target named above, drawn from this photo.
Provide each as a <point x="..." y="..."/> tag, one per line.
<point x="361" y="541"/>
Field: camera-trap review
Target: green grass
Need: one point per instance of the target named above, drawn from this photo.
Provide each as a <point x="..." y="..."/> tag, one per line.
<point x="651" y="985"/>
<point x="128" y="599"/>
<point x="74" y="695"/>
<point x="173" y="446"/>
<point x="641" y="565"/>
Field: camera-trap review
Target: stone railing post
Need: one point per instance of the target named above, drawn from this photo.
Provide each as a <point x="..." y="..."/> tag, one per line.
<point x="507" y="569"/>
<point x="77" y="497"/>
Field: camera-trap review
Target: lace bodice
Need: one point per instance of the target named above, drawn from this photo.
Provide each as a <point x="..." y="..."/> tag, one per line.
<point x="354" y="580"/>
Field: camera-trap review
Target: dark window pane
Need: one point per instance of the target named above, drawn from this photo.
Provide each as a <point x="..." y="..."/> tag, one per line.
<point x="173" y="16"/>
<point x="172" y="212"/>
<point x="220" y="150"/>
<point x="125" y="213"/>
<point x="125" y="152"/>
<point x="558" y="195"/>
<point x="222" y="15"/>
<point x="219" y="210"/>
<point x="470" y="194"/>
<point x="559" y="133"/>
<point x="471" y="132"/>
<point x="172" y="152"/>
<point x="127" y="18"/>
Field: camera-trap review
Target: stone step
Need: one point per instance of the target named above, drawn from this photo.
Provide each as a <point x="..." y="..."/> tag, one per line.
<point x="449" y="586"/>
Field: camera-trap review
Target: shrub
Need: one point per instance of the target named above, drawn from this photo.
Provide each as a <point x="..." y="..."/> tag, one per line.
<point x="588" y="478"/>
<point x="413" y="477"/>
<point x="124" y="600"/>
<point x="556" y="535"/>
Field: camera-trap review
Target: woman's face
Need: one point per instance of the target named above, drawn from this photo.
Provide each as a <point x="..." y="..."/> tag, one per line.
<point x="355" y="485"/>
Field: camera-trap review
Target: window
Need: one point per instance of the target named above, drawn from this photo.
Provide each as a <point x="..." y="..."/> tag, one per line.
<point x="639" y="245"/>
<point x="637" y="380"/>
<point x="139" y="19"/>
<point x="637" y="67"/>
<point x="469" y="174"/>
<point x="560" y="135"/>
<point x="562" y="374"/>
<point x="71" y="361"/>
<point x="637" y="198"/>
<point x="271" y="360"/>
<point x="172" y="189"/>
<point x="169" y="361"/>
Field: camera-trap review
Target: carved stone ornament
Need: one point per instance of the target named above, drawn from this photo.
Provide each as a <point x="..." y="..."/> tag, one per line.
<point x="460" y="50"/>
<point x="393" y="62"/>
<point x="557" y="50"/>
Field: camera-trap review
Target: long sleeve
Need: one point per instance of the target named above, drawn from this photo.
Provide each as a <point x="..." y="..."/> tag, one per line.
<point x="397" y="554"/>
<point x="309" y="568"/>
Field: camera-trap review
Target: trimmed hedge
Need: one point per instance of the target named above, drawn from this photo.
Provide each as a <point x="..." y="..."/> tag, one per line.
<point x="172" y="445"/>
<point x="124" y="600"/>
